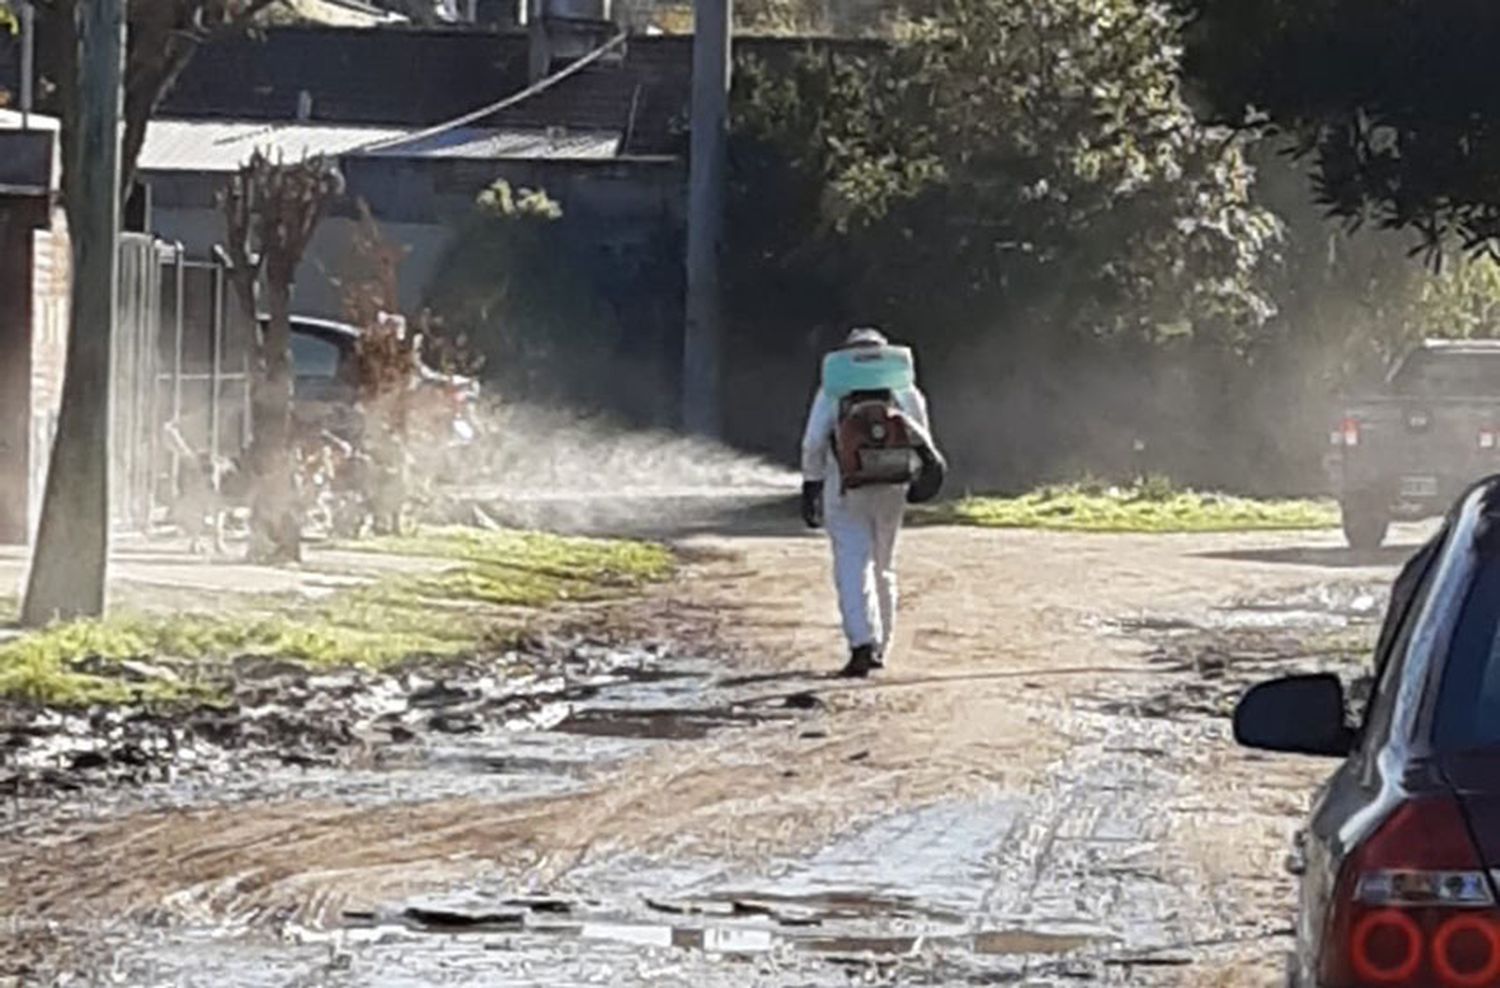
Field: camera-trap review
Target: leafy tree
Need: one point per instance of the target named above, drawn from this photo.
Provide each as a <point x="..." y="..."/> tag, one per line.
<point x="1342" y="296"/>
<point x="1350" y="301"/>
<point x="1006" y="149"/>
<point x="1460" y="302"/>
<point x="1394" y="99"/>
<point x="515" y="283"/>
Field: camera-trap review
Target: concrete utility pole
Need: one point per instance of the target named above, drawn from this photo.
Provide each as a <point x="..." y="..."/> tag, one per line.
<point x="72" y="547"/>
<point x="28" y="61"/>
<point x="703" y="339"/>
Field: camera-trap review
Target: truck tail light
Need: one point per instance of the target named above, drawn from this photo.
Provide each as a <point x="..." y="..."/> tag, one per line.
<point x="1415" y="907"/>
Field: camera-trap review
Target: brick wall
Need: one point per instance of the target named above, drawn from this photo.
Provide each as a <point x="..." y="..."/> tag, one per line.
<point x="50" y="284"/>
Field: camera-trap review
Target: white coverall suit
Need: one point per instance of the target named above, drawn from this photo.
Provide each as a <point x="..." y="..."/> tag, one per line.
<point x="862" y="524"/>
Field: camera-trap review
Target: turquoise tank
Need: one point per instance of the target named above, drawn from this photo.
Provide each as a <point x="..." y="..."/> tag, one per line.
<point x="868" y="368"/>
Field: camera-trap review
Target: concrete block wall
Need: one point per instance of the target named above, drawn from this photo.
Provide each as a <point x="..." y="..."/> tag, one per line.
<point x="50" y="287"/>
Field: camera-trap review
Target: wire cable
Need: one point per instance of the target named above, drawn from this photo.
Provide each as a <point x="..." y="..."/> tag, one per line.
<point x="541" y="85"/>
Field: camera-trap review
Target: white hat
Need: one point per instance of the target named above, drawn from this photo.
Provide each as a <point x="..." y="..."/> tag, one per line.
<point x="865" y="336"/>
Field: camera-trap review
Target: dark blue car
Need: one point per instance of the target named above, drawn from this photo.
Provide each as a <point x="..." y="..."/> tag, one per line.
<point x="1400" y="856"/>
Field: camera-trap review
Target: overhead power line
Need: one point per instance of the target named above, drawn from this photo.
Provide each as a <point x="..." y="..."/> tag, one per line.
<point x="541" y="85"/>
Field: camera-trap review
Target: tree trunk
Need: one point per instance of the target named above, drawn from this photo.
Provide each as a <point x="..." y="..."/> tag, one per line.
<point x="68" y="566"/>
<point x="276" y="524"/>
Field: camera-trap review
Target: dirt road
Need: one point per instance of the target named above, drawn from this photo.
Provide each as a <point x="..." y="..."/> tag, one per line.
<point x="1041" y="788"/>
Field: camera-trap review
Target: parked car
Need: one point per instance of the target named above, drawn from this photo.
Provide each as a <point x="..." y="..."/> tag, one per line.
<point x="326" y="384"/>
<point x="1400" y="855"/>
<point x="1408" y="450"/>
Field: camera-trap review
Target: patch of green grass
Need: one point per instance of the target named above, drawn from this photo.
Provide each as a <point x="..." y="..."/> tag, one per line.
<point x="45" y="666"/>
<point x="448" y="613"/>
<point x="526" y="569"/>
<point x="1081" y="508"/>
<point x="71" y="663"/>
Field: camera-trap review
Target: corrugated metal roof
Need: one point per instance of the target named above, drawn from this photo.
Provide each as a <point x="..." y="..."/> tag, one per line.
<point x="11" y="120"/>
<point x="337" y="13"/>
<point x="488" y="143"/>
<point x="1462" y="346"/>
<point x="222" y="146"/>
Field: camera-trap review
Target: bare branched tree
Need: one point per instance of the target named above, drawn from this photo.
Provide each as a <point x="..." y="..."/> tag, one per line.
<point x="271" y="211"/>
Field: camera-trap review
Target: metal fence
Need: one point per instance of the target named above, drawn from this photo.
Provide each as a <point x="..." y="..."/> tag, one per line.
<point x="133" y="441"/>
<point x="182" y="354"/>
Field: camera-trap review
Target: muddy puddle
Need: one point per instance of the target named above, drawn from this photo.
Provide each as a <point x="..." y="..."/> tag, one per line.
<point x="596" y="955"/>
<point x="1318" y="606"/>
<point x="540" y="720"/>
<point x="1214" y="658"/>
<point x="722" y="925"/>
<point x="963" y="892"/>
<point x="904" y="900"/>
<point x="957" y="892"/>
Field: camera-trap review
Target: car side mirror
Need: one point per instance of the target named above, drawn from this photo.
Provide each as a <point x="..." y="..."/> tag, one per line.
<point x="1298" y="714"/>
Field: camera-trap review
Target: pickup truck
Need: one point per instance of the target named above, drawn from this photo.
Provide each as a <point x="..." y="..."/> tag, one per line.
<point x="1430" y="433"/>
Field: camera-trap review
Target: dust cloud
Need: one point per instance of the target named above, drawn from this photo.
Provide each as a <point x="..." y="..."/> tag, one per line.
<point x="540" y="468"/>
<point x="1199" y="416"/>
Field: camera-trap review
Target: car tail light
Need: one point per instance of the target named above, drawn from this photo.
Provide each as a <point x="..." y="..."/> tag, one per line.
<point x="461" y="395"/>
<point x="1415" y="907"/>
<point x="1347" y="434"/>
<point x="1487" y="438"/>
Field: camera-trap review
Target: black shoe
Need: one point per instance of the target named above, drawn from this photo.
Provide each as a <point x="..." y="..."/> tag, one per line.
<point x="862" y="662"/>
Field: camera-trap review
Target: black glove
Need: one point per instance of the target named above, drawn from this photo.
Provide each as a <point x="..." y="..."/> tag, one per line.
<point x="930" y="479"/>
<point x="812" y="503"/>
